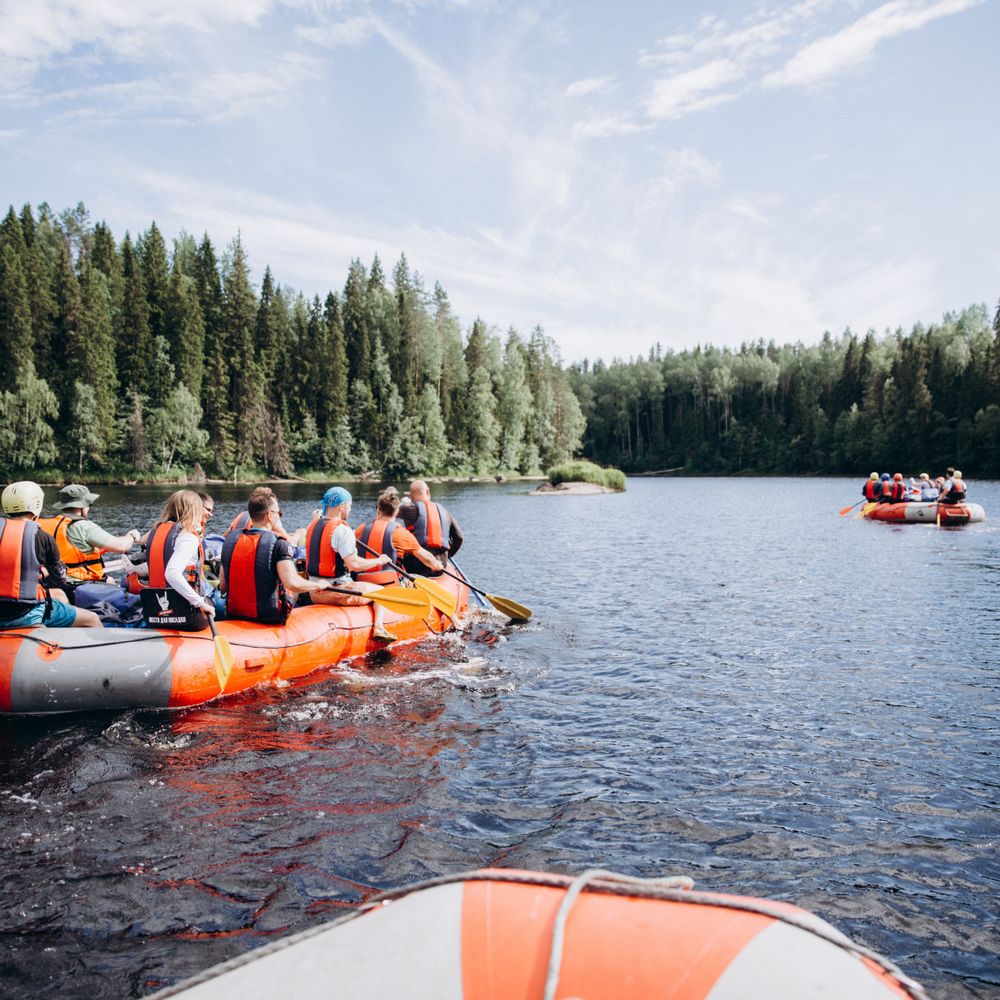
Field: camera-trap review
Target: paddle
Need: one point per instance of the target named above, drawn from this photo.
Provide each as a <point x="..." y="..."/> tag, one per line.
<point x="514" y="611"/>
<point x="223" y="655"/>
<point x="400" y="600"/>
<point x="864" y="510"/>
<point x="847" y="510"/>
<point x="440" y="597"/>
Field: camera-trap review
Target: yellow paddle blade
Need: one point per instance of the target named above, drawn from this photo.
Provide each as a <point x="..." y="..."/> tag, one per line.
<point x="402" y="600"/>
<point x="440" y="597"/>
<point x="514" y="611"/>
<point x="223" y="660"/>
<point x="864" y="510"/>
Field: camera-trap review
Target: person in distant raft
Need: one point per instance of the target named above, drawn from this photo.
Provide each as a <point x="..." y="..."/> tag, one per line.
<point x="954" y="489"/>
<point x="386" y="536"/>
<point x="258" y="566"/>
<point x="30" y="563"/>
<point x="872" y="488"/>
<point x="332" y="555"/>
<point x="435" y="529"/>
<point x="80" y="540"/>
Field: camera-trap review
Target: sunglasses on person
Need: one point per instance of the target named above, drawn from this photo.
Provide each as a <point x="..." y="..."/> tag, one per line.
<point x="277" y="511"/>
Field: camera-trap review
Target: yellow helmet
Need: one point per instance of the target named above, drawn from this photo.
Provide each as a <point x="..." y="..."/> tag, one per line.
<point x="873" y="476"/>
<point x="23" y="497"/>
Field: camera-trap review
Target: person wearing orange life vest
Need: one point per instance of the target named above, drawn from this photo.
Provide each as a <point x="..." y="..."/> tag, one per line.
<point x="872" y="488"/>
<point x="174" y="553"/>
<point x="29" y="558"/>
<point x="954" y="488"/>
<point x="434" y="527"/>
<point x="332" y="554"/>
<point x="385" y="535"/>
<point x="80" y="540"/>
<point x="258" y="566"/>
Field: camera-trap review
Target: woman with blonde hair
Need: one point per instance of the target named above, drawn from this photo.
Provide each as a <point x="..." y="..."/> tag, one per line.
<point x="174" y="552"/>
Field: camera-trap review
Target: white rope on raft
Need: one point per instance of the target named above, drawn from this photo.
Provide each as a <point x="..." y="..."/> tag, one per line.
<point x="678" y="888"/>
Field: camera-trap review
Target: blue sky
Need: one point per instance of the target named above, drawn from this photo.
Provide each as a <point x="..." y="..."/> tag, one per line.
<point x="619" y="174"/>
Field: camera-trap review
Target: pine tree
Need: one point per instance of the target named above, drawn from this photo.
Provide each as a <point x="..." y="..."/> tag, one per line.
<point x="134" y="341"/>
<point x="93" y="358"/>
<point x="69" y="328"/>
<point x="336" y="361"/>
<point x="484" y="430"/>
<point x="513" y="403"/>
<point x="43" y="243"/>
<point x="219" y="420"/>
<point x="156" y="277"/>
<point x="246" y="397"/>
<point x="16" y="332"/>
<point x="185" y="319"/>
<point x="356" y="334"/>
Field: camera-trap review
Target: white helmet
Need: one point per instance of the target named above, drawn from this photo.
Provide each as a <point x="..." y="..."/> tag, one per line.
<point x="19" y="498"/>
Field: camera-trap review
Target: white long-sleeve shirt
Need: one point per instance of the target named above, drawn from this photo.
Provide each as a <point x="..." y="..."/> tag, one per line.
<point x="185" y="554"/>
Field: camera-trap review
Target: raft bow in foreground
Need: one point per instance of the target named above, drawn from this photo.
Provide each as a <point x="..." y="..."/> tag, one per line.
<point x="46" y="670"/>
<point x="501" y="935"/>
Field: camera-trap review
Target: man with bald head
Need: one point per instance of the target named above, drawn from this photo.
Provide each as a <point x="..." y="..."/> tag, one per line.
<point x="435" y="529"/>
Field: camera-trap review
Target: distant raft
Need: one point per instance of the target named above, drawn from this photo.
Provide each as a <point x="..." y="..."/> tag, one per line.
<point x="917" y="512"/>
<point x="510" y="935"/>
<point x="45" y="670"/>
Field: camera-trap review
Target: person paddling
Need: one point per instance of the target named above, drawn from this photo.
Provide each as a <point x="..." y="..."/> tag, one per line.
<point x="31" y="573"/>
<point x="80" y="540"/>
<point x="434" y="527"/>
<point x="384" y="535"/>
<point x="332" y="555"/>
<point x="872" y="489"/>
<point x="258" y="566"/>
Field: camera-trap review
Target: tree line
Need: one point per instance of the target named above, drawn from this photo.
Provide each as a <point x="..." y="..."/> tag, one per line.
<point x="910" y="402"/>
<point x="128" y="358"/>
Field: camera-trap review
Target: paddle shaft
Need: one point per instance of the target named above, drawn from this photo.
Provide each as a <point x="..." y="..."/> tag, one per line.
<point x="444" y="602"/>
<point x="396" y="567"/>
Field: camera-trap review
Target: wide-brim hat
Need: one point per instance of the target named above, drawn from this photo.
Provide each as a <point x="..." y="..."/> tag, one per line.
<point x="77" y="495"/>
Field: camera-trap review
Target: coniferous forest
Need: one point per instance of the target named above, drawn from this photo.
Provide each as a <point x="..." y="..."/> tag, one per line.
<point x="128" y="359"/>
<point x="125" y="358"/>
<point x="901" y="402"/>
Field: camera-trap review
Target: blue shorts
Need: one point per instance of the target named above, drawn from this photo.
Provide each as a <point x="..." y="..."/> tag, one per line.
<point x="62" y="616"/>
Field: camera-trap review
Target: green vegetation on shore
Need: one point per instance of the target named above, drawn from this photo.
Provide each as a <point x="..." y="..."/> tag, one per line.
<point x="911" y="403"/>
<point x="580" y="471"/>
<point x="124" y="359"/>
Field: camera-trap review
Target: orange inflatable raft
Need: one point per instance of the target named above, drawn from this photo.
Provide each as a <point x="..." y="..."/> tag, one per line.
<point x="46" y="670"/>
<point x="501" y="935"/>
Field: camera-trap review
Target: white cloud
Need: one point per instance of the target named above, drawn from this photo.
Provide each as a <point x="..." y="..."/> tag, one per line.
<point x="591" y="85"/>
<point x="694" y="90"/>
<point x="607" y="127"/>
<point x="854" y="44"/>
<point x="352" y="31"/>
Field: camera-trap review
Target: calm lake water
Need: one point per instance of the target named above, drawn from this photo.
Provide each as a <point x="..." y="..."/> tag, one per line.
<point x="723" y="679"/>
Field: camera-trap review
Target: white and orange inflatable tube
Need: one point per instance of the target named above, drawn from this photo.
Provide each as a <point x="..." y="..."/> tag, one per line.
<point x="488" y="935"/>
<point x="919" y="512"/>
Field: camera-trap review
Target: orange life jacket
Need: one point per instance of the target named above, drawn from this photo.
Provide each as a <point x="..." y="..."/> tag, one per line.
<point x="869" y="491"/>
<point x="253" y="588"/>
<point x="20" y="570"/>
<point x="432" y="527"/>
<point x="240" y="523"/>
<point x="80" y="565"/>
<point x="321" y="560"/>
<point x="378" y="537"/>
<point x="160" y="547"/>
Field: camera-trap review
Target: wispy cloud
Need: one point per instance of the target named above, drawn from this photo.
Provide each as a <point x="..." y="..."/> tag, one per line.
<point x="591" y="85"/>
<point x="856" y="43"/>
<point x="694" y="90"/>
<point x="608" y="127"/>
